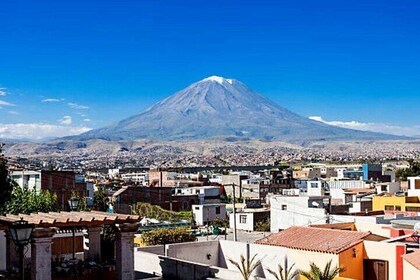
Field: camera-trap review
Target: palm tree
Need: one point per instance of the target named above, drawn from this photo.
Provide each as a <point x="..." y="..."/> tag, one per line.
<point x="246" y="266"/>
<point x="315" y="273"/>
<point x="284" y="272"/>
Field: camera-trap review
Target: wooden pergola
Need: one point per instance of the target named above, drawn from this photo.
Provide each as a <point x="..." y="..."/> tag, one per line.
<point x="71" y="219"/>
<point x="46" y="227"/>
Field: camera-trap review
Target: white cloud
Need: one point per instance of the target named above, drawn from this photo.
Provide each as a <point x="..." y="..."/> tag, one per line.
<point x="50" y="100"/>
<point x="4" y="103"/>
<point x="77" y="106"/>
<point x="38" y="131"/>
<point x="87" y="120"/>
<point x="3" y="92"/>
<point x="66" y="120"/>
<point x="13" y="113"/>
<point x="374" y="127"/>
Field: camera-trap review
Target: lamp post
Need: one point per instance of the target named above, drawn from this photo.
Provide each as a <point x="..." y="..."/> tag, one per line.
<point x="74" y="204"/>
<point x="21" y="232"/>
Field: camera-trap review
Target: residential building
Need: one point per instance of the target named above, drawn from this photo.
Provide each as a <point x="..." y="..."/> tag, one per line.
<point x="62" y="183"/>
<point x="287" y="211"/>
<point x="207" y="213"/>
<point x="27" y="179"/>
<point x="396" y="203"/>
<point x="246" y="219"/>
<point x="362" y="255"/>
<point x="413" y="186"/>
<point x="139" y="178"/>
<point x="125" y="198"/>
<point x="206" y="194"/>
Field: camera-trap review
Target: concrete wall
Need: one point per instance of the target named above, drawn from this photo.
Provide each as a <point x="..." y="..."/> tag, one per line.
<point x="352" y="260"/>
<point x="199" y="252"/>
<point x="157" y="249"/>
<point x="410" y="272"/>
<point x="387" y="252"/>
<point x="147" y="262"/>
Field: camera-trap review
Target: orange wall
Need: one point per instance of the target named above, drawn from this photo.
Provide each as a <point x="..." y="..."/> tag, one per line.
<point x="353" y="265"/>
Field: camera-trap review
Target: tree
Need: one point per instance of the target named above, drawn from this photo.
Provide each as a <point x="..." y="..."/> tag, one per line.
<point x="315" y="273"/>
<point x="413" y="170"/>
<point x="284" y="272"/>
<point x="26" y="201"/>
<point x="6" y="185"/>
<point x="246" y="266"/>
<point x="100" y="200"/>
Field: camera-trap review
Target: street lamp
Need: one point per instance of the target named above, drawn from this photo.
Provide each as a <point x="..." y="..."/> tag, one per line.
<point x="21" y="232"/>
<point x="74" y="204"/>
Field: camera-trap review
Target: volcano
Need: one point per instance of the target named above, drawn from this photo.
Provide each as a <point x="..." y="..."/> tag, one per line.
<point x="216" y="107"/>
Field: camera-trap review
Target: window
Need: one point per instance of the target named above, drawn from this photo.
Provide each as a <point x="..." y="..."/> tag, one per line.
<point x="242" y="219"/>
<point x="314" y="185"/>
<point x="197" y="191"/>
<point x="389" y="207"/>
<point x="284" y="207"/>
<point x="197" y="208"/>
<point x="417" y="184"/>
<point x="217" y="210"/>
<point x="412" y="209"/>
<point x="398" y="208"/>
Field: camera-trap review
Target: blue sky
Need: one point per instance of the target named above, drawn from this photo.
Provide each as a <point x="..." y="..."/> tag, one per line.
<point x="349" y="63"/>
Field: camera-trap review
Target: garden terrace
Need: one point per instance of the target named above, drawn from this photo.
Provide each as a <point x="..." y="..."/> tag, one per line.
<point x="49" y="229"/>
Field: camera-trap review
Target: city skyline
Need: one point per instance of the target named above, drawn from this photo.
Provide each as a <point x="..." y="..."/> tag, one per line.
<point x="69" y="67"/>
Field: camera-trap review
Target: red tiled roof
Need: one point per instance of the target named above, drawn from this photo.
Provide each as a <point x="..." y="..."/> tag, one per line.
<point x="413" y="259"/>
<point x="315" y="239"/>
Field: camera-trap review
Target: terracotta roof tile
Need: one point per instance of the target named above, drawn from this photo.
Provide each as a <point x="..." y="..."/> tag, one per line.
<point x="413" y="259"/>
<point x="315" y="239"/>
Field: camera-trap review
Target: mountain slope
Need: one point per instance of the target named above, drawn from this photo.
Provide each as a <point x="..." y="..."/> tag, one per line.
<point x="219" y="107"/>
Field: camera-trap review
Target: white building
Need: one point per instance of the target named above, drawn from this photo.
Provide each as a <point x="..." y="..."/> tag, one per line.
<point x="27" y="179"/>
<point x="141" y="178"/>
<point x="413" y="186"/>
<point x="207" y="213"/>
<point x="206" y="194"/>
<point x="387" y="187"/>
<point x="287" y="211"/>
<point x="215" y="178"/>
<point x="248" y="218"/>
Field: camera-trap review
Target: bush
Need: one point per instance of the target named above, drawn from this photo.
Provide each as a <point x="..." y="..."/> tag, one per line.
<point x="167" y="236"/>
<point x="263" y="225"/>
<point x="156" y="212"/>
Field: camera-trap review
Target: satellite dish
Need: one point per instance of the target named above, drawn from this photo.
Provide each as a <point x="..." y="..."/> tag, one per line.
<point x="316" y="204"/>
<point x="417" y="226"/>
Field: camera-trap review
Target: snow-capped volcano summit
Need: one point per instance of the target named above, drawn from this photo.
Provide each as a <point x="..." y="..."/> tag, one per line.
<point x="218" y="79"/>
<point x="220" y="107"/>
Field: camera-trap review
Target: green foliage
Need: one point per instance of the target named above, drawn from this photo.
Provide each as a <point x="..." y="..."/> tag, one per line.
<point x="101" y="200"/>
<point x="6" y="185"/>
<point x="263" y="225"/>
<point x="26" y="201"/>
<point x="156" y="212"/>
<point x="316" y="273"/>
<point x="246" y="266"/>
<point x="284" y="272"/>
<point x="167" y="236"/>
<point x="218" y="222"/>
<point x="413" y="170"/>
<point x="82" y="202"/>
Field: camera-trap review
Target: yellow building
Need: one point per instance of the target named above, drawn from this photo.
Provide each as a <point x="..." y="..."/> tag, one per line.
<point x="396" y="203"/>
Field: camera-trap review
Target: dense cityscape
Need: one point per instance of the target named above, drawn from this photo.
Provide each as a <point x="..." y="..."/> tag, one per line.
<point x="216" y="140"/>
